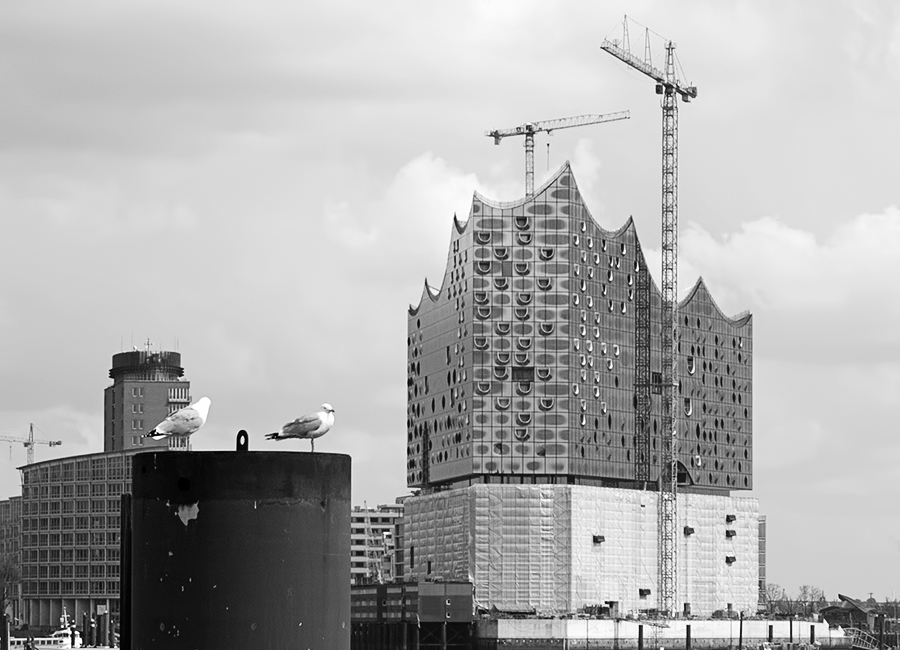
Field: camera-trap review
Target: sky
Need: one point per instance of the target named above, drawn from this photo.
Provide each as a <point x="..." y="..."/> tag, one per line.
<point x="264" y="187"/>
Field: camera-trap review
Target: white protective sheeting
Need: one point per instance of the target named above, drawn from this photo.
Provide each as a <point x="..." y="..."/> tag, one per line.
<point x="556" y="548"/>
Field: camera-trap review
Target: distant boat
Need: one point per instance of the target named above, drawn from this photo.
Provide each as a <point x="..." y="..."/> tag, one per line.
<point x="59" y="639"/>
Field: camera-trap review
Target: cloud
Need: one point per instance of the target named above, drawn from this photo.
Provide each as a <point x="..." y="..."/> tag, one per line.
<point x="818" y="294"/>
<point x="771" y="265"/>
<point x="402" y="236"/>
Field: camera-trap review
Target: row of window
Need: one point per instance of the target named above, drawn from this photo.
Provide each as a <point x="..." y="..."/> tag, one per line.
<point x="92" y="522"/>
<point x="77" y="505"/>
<point x="81" y="538"/>
<point x="69" y="555"/>
<point x="71" y="588"/>
<point x="70" y="571"/>
<point x="70" y="490"/>
<point x="82" y="470"/>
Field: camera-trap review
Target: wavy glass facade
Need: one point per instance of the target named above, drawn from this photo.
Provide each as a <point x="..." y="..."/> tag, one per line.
<point x="521" y="366"/>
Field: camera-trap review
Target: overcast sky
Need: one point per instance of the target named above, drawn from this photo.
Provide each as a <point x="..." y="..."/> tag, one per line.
<point x="266" y="186"/>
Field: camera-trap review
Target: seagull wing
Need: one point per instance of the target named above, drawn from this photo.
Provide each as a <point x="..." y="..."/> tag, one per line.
<point x="301" y="427"/>
<point x="181" y="422"/>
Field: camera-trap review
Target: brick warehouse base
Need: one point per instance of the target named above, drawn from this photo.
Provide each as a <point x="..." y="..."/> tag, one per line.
<point x="557" y="549"/>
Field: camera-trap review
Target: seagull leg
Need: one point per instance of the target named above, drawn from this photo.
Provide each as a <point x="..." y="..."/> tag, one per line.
<point x="312" y="444"/>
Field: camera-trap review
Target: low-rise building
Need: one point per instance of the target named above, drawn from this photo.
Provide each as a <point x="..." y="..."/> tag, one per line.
<point x="373" y="535"/>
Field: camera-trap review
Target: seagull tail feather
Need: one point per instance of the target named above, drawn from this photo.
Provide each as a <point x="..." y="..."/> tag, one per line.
<point x="273" y="436"/>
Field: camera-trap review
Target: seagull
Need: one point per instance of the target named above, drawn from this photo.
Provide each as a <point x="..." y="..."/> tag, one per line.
<point x="183" y="422"/>
<point x="307" y="427"/>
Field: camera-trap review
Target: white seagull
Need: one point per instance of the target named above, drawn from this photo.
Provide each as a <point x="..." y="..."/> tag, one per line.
<point x="307" y="427"/>
<point x="182" y="422"/>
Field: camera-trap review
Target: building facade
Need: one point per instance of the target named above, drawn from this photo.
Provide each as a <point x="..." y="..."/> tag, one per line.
<point x="523" y="369"/>
<point x="70" y="507"/>
<point x="563" y="549"/>
<point x="10" y="557"/>
<point x="147" y="386"/>
<point x="373" y="543"/>
<point x="70" y="536"/>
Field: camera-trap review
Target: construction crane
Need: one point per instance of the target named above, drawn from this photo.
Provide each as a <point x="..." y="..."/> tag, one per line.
<point x="530" y="128"/>
<point x="670" y="87"/>
<point x="30" y="442"/>
<point x="373" y="561"/>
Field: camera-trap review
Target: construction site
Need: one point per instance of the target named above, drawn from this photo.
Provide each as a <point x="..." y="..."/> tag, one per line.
<point x="579" y="438"/>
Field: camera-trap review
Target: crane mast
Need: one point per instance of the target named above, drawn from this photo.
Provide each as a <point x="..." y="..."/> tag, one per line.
<point x="530" y="128"/>
<point x="667" y="85"/>
<point x="373" y="562"/>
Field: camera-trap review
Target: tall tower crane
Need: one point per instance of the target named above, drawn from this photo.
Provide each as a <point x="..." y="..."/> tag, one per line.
<point x="373" y="560"/>
<point x="670" y="87"/>
<point x="30" y="442"/>
<point x="530" y="128"/>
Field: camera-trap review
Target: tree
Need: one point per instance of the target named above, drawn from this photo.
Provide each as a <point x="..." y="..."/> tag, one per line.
<point x="777" y="600"/>
<point x="809" y="599"/>
<point x="9" y="576"/>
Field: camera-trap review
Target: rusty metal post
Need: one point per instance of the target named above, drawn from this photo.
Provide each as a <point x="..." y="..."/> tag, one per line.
<point x="240" y="550"/>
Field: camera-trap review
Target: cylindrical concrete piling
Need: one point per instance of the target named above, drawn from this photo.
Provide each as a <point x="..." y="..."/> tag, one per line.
<point x="240" y="550"/>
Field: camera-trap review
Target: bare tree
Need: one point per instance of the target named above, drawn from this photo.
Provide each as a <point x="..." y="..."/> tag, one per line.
<point x="9" y="576"/>
<point x="809" y="599"/>
<point x="777" y="599"/>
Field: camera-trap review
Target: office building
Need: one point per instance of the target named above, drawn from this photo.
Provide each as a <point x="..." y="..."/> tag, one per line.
<point x="70" y="536"/>
<point x="147" y="386"/>
<point x="70" y="507"/>
<point x="373" y="536"/>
